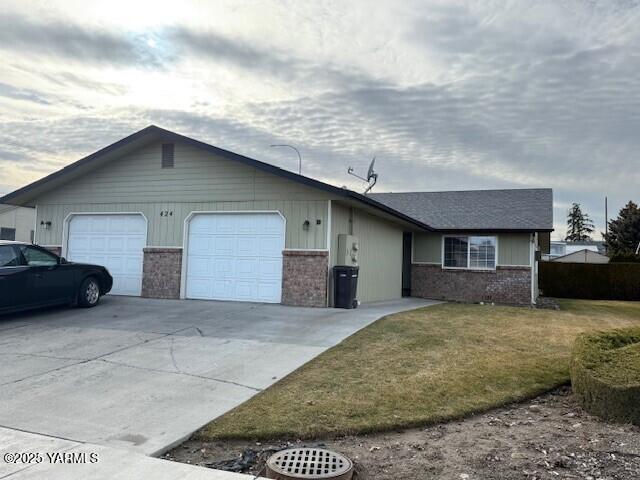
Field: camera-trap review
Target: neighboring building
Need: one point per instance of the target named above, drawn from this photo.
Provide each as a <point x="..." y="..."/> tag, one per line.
<point x="17" y="223"/>
<point x="582" y="256"/>
<point x="559" y="248"/>
<point x="172" y="217"/>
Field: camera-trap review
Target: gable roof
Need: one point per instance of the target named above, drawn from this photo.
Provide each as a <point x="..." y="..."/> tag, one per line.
<point x="526" y="210"/>
<point x="153" y="133"/>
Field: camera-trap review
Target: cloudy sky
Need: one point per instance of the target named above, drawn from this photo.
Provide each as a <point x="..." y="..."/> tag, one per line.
<point x="447" y="95"/>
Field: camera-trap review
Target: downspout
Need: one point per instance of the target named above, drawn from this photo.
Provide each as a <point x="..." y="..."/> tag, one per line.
<point x="532" y="256"/>
<point x="328" y="299"/>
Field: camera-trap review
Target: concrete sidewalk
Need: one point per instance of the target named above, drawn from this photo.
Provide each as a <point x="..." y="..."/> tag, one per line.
<point x="66" y="460"/>
<point x="144" y="374"/>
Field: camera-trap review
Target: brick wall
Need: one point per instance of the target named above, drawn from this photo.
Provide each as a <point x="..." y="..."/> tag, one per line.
<point x="304" y="278"/>
<point x="508" y="285"/>
<point x="161" y="272"/>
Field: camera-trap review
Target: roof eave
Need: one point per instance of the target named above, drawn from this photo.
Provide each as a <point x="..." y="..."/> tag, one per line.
<point x="494" y="230"/>
<point x="14" y="198"/>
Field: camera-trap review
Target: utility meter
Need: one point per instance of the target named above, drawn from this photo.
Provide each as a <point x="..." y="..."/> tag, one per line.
<point x="348" y="248"/>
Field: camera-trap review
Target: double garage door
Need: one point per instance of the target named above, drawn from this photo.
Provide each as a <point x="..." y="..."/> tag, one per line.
<point x="229" y="256"/>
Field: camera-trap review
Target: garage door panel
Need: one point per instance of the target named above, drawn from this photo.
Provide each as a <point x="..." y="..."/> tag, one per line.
<point x="267" y="290"/>
<point x="114" y="244"/>
<point x="246" y="268"/>
<point x="113" y="241"/>
<point x="135" y="243"/>
<point x="100" y="225"/>
<point x="220" y="290"/>
<point x="199" y="266"/>
<point x="246" y="290"/>
<point x="200" y="289"/>
<point x="270" y="269"/>
<point x="224" y="225"/>
<point x="199" y="245"/>
<point x="245" y="252"/>
<point x="270" y="246"/>
<point x="247" y="245"/>
<point x="79" y="244"/>
<point x="222" y="267"/>
<point x="224" y="245"/>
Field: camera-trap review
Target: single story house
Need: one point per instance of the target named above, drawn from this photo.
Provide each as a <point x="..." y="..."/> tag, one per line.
<point x="173" y="217"/>
<point x="17" y="223"/>
<point x="582" y="256"/>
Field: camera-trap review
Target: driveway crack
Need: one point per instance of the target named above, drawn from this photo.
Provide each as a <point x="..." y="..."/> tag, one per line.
<point x="98" y="357"/>
<point x="202" y="377"/>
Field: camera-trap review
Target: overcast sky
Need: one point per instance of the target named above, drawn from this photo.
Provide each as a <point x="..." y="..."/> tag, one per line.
<point x="447" y="95"/>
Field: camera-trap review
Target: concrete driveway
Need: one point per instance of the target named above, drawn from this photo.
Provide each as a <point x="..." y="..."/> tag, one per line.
<point x="144" y="374"/>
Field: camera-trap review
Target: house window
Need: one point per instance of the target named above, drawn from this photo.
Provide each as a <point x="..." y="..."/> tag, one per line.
<point x="456" y="252"/>
<point x="167" y="155"/>
<point x="474" y="253"/>
<point x="7" y="233"/>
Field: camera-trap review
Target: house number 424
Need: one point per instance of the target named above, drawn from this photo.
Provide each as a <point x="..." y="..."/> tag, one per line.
<point x="166" y="213"/>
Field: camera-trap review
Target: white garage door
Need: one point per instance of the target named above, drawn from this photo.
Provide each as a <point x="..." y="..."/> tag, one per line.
<point x="235" y="256"/>
<point x="113" y="241"/>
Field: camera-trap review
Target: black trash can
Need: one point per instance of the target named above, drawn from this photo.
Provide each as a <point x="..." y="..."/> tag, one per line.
<point x="345" y="282"/>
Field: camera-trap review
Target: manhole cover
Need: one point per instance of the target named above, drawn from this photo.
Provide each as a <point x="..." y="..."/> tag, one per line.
<point x="309" y="463"/>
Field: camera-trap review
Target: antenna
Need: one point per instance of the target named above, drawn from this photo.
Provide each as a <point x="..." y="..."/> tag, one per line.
<point x="372" y="176"/>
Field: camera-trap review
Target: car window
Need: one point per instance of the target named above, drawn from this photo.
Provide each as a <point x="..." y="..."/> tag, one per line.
<point x="38" y="258"/>
<point x="8" y="256"/>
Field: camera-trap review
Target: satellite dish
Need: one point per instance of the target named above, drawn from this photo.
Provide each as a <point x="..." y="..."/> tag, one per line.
<point x="371" y="173"/>
<point x="372" y="176"/>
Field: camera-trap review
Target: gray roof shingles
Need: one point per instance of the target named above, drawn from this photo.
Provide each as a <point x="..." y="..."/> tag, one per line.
<point x="529" y="209"/>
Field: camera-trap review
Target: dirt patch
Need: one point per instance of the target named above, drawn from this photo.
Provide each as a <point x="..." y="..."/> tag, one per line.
<point x="550" y="437"/>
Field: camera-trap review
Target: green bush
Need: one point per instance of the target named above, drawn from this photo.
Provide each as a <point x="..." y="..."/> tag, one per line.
<point x="605" y="374"/>
<point x="609" y="281"/>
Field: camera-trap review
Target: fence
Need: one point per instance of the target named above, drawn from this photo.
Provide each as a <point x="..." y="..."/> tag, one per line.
<point x="610" y="281"/>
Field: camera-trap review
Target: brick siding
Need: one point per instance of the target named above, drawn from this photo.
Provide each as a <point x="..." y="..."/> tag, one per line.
<point x="507" y="285"/>
<point x="304" y="278"/>
<point x="161" y="272"/>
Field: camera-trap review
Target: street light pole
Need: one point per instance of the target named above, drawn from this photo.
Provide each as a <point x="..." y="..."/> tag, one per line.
<point x="299" y="157"/>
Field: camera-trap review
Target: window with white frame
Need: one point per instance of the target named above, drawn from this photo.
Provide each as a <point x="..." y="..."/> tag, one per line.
<point x="475" y="253"/>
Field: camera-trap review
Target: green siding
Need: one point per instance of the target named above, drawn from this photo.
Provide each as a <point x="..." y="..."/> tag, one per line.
<point x="339" y="224"/>
<point x="513" y="248"/>
<point x="427" y="248"/>
<point x="166" y="231"/>
<point x="21" y="219"/>
<point x="200" y="181"/>
<point x="380" y="255"/>
<point x="198" y="176"/>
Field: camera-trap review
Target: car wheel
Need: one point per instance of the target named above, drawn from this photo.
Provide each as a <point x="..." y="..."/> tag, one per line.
<point x="89" y="294"/>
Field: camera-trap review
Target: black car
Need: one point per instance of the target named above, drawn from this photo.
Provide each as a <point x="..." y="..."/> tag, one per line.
<point x="32" y="277"/>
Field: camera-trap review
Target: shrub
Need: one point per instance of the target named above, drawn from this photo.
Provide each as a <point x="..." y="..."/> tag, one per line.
<point x="605" y="374"/>
<point x="610" y="281"/>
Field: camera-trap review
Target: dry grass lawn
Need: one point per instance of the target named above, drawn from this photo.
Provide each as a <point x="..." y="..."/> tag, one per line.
<point x="421" y="367"/>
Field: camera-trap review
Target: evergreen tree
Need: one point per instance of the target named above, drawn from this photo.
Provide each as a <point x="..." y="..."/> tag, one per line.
<point x="579" y="225"/>
<point x="624" y="231"/>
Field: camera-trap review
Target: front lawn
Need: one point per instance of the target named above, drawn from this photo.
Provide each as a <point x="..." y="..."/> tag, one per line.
<point x="424" y="366"/>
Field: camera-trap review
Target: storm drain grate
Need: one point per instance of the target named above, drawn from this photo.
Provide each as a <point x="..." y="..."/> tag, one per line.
<point x="309" y="463"/>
